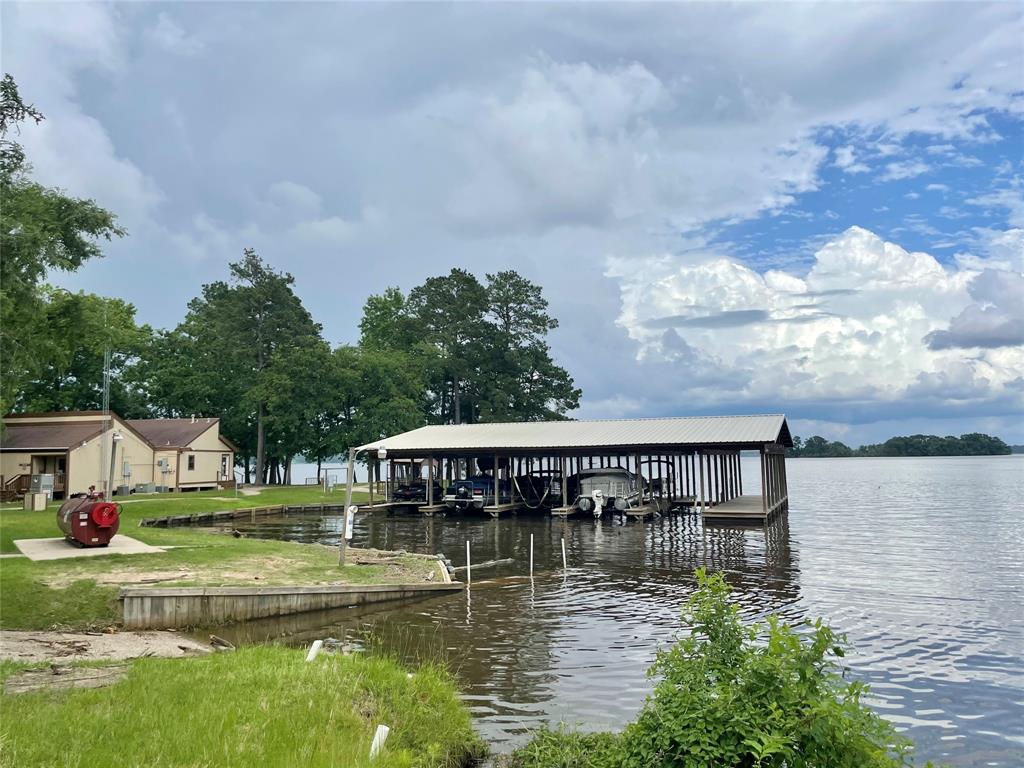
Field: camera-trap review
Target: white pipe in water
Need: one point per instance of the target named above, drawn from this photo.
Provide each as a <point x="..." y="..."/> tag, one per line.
<point x="531" y="555"/>
<point x="469" y="567"/>
<point x="564" y="566"/>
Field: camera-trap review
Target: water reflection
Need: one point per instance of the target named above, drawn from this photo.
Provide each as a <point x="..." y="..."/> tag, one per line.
<point x="570" y="644"/>
<point x="918" y="561"/>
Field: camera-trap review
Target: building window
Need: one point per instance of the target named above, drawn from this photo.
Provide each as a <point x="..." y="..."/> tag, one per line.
<point x="191" y="462"/>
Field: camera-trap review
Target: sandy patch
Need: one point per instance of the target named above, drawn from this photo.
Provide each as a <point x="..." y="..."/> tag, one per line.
<point x="81" y="646"/>
<point x="398" y="567"/>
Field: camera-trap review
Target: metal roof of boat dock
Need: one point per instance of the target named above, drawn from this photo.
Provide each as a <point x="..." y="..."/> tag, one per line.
<point x="749" y="432"/>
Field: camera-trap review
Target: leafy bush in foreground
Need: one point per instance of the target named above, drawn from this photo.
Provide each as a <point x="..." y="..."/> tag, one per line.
<point x="739" y="697"/>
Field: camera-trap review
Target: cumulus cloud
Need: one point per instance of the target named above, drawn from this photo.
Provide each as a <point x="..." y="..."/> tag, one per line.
<point x="867" y="322"/>
<point x="72" y="149"/>
<point x="996" y="319"/>
<point x="547" y="138"/>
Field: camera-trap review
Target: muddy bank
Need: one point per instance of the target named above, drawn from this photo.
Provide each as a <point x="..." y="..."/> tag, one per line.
<point x="64" y="647"/>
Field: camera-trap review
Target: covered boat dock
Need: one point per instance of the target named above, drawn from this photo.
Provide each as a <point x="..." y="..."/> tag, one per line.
<point x="689" y="463"/>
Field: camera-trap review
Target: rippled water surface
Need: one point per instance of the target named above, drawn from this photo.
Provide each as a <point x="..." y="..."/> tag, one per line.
<point x="919" y="561"/>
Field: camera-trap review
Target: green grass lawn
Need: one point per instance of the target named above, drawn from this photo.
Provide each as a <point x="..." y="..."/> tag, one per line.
<point x="260" y="706"/>
<point x="82" y="592"/>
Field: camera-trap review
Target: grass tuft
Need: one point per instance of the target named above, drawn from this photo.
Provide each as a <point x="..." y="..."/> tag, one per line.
<point x="260" y="706"/>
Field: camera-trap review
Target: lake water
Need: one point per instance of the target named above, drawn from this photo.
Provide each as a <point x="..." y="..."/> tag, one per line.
<point x="919" y="561"/>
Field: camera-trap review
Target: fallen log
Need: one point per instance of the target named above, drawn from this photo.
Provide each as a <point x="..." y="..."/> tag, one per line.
<point x="487" y="564"/>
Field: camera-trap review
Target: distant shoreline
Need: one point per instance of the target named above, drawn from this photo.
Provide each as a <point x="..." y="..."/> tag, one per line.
<point x="929" y="456"/>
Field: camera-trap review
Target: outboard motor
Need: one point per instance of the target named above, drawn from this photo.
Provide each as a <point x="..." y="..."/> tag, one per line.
<point x="89" y="521"/>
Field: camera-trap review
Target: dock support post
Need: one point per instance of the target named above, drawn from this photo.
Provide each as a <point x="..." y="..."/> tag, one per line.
<point x="369" y="479"/>
<point x="711" y="485"/>
<point x="348" y="503"/>
<point x="430" y="481"/>
<point x="764" y="488"/>
<point x="564" y="483"/>
<point x="785" y="479"/>
<point x="739" y="472"/>
<point x="700" y="468"/>
<point x="723" y="486"/>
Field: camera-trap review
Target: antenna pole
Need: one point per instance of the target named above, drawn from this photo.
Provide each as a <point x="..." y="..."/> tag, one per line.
<point x="107" y="420"/>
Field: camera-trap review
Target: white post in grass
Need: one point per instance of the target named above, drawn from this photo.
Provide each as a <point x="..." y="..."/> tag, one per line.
<point x="564" y="566"/>
<point x="469" y="567"/>
<point x="378" y="740"/>
<point x="314" y="649"/>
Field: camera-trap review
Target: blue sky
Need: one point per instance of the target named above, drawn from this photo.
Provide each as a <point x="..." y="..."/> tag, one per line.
<point x="813" y="209"/>
<point x="928" y="195"/>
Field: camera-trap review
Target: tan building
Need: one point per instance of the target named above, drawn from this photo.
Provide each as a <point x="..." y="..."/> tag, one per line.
<point x="171" y="454"/>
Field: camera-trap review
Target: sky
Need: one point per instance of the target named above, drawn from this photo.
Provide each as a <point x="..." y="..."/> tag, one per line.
<point x="813" y="209"/>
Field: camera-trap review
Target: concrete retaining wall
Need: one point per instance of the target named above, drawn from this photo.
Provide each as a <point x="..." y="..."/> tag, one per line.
<point x="177" y="608"/>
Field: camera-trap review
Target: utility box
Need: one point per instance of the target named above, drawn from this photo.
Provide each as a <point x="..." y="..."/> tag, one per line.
<point x="124" y="490"/>
<point x="145" y="487"/>
<point x="36" y="502"/>
<point x="41" y="484"/>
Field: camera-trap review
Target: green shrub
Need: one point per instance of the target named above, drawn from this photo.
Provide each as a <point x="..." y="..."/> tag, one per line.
<point x="729" y="695"/>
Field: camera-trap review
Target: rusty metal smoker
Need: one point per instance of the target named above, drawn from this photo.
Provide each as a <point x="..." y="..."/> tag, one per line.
<point x="89" y="521"/>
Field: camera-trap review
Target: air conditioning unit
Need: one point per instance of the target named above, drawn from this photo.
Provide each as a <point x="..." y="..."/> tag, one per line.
<point x="41" y="484"/>
<point x="124" y="490"/>
<point x="161" y="489"/>
<point x="145" y="487"/>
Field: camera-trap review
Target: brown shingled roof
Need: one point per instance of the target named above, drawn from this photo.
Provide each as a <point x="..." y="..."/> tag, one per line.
<point x="174" y="433"/>
<point x="42" y="437"/>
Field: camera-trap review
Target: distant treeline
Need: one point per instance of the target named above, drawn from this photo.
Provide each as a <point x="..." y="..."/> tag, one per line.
<point x="973" y="444"/>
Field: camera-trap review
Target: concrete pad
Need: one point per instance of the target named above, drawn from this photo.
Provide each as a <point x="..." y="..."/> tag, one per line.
<point x="59" y="549"/>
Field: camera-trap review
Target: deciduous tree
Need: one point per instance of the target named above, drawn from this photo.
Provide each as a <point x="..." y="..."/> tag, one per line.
<point x="41" y="229"/>
<point x="79" y="329"/>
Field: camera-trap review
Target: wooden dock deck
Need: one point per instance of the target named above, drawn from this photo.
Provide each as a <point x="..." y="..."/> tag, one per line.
<point x="494" y="510"/>
<point x="743" y="509"/>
